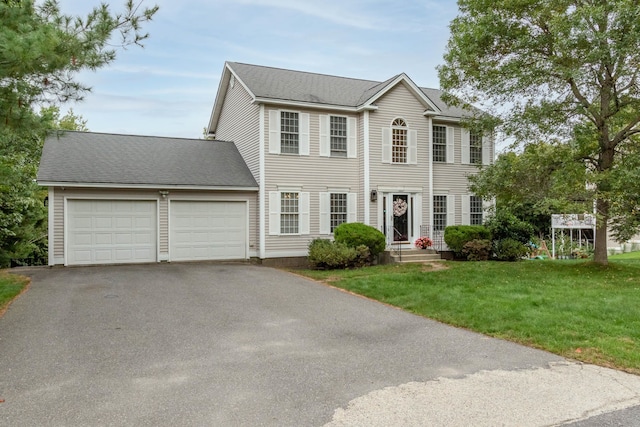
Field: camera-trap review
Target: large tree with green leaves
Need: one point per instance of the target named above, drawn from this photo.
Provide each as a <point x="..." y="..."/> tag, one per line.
<point x="565" y="70"/>
<point x="42" y="50"/>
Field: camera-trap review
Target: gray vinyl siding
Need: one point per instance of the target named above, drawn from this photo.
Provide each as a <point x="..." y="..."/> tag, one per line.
<point x="399" y="102"/>
<point x="239" y="122"/>
<point x="163" y="220"/>
<point x="451" y="178"/>
<point x="312" y="174"/>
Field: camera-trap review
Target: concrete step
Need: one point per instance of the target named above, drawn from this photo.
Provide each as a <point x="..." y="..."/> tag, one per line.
<point x="414" y="256"/>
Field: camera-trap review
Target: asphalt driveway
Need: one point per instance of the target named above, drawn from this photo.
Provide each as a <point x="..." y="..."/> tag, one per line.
<point x="212" y="344"/>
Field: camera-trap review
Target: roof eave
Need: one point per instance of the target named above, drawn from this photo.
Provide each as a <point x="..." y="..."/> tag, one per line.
<point x="313" y="105"/>
<point x="65" y="184"/>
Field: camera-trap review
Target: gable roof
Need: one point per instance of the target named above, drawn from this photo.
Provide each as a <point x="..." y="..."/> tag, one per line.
<point x="109" y="160"/>
<point x="282" y="86"/>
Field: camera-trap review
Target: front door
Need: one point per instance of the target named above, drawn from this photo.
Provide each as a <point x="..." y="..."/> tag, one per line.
<point x="398" y="217"/>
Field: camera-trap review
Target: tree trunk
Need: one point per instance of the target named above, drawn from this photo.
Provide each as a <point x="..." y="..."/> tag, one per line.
<point x="600" y="250"/>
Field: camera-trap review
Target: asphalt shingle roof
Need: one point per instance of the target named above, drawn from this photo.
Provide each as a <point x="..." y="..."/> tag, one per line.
<point x="100" y="158"/>
<point x="300" y="86"/>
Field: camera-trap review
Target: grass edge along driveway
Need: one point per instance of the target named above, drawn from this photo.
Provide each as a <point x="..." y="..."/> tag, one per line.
<point x="11" y="286"/>
<point x="575" y="309"/>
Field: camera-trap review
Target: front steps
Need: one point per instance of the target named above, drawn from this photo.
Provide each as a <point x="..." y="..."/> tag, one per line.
<point x="411" y="256"/>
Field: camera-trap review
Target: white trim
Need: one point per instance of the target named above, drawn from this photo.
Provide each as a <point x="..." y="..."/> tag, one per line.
<point x="313" y="105"/>
<point x="116" y="186"/>
<point x="450" y="147"/>
<point x="466" y="209"/>
<point x="324" y="128"/>
<point x="274" y="213"/>
<point x="386" y="145"/>
<point x="324" y="204"/>
<point x="50" y="226"/>
<point x="430" y="186"/>
<point x="158" y="229"/>
<point x="412" y="147"/>
<point x="304" y="120"/>
<point x="449" y="119"/>
<point x="275" y="119"/>
<point x="451" y="210"/>
<point x="352" y="138"/>
<point x="304" y="213"/>
<point x="400" y="189"/>
<point x="261" y="183"/>
<point x="367" y="170"/>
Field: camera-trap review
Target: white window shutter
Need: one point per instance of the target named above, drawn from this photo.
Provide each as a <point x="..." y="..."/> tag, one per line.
<point x="303" y="213"/>
<point x="466" y="209"/>
<point x="352" y="138"/>
<point x="352" y="207"/>
<point x="466" y="159"/>
<point x="303" y="138"/>
<point x="417" y="212"/>
<point x="325" y="213"/>
<point x="274" y="213"/>
<point x="274" y="131"/>
<point x="412" y="147"/>
<point x="451" y="210"/>
<point x="325" y="146"/>
<point x="486" y="151"/>
<point x="386" y="145"/>
<point x="450" y="144"/>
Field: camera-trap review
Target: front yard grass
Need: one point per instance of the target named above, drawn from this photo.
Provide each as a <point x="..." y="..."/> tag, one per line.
<point x="575" y="309"/>
<point x="10" y="287"/>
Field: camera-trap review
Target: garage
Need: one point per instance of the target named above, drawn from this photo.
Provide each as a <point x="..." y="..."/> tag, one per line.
<point x="207" y="230"/>
<point x="111" y="231"/>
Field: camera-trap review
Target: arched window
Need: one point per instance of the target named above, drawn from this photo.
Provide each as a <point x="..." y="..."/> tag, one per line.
<point x="399" y="141"/>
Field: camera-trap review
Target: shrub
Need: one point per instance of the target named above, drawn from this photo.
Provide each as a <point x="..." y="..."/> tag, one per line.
<point x="324" y="253"/>
<point x="354" y="234"/>
<point x="477" y="249"/>
<point x="505" y="225"/>
<point x="509" y="250"/>
<point x="455" y="236"/>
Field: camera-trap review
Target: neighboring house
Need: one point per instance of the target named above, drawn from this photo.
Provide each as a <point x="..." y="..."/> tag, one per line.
<point x="326" y="150"/>
<point x="126" y="199"/>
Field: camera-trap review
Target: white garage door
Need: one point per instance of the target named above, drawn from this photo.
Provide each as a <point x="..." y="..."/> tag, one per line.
<point x="207" y="230"/>
<point x="111" y="231"/>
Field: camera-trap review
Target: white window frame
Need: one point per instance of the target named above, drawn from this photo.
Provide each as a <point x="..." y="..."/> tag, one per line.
<point x="325" y="136"/>
<point x="325" y="209"/>
<point x="467" y="213"/>
<point x="450" y="213"/>
<point x="275" y="132"/>
<point x="466" y="149"/>
<point x="275" y="213"/>
<point x="411" y="143"/>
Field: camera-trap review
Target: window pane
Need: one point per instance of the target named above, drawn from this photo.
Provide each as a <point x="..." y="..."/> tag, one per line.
<point x="475" y="148"/>
<point x="439" y="143"/>
<point x="289" y="132"/>
<point x="439" y="213"/>
<point x="475" y="210"/>
<point x="338" y="209"/>
<point x="289" y="213"/>
<point x="399" y="145"/>
<point x="338" y="133"/>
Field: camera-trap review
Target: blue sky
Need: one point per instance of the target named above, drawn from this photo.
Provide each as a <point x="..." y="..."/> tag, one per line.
<point x="168" y="88"/>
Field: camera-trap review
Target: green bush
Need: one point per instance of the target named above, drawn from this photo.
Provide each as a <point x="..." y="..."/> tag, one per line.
<point x="477" y="250"/>
<point x="509" y="250"/>
<point x="505" y="225"/>
<point x="354" y="234"/>
<point x="330" y="255"/>
<point x="455" y="236"/>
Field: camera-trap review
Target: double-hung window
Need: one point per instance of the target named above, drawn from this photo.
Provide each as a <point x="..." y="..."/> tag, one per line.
<point x="475" y="210"/>
<point x="338" y="135"/>
<point x="399" y="141"/>
<point x="289" y="213"/>
<point x="338" y="206"/>
<point x="475" y="148"/>
<point x="289" y="132"/>
<point x="439" y="143"/>
<point x="439" y="213"/>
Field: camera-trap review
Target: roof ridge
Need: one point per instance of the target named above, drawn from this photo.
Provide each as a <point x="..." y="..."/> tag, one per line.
<point x="137" y="135"/>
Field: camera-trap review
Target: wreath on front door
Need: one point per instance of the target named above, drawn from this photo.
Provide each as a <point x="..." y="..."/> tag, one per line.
<point x="399" y="207"/>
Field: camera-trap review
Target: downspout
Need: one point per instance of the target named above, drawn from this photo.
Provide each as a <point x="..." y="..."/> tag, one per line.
<point x="367" y="184"/>
<point x="261" y="191"/>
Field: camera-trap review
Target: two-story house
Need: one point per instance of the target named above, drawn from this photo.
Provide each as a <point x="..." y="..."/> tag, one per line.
<point x="296" y="154"/>
<point x="326" y="150"/>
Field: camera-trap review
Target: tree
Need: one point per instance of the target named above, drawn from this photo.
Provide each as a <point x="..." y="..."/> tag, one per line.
<point x="533" y="184"/>
<point x="566" y="70"/>
<point x="41" y="52"/>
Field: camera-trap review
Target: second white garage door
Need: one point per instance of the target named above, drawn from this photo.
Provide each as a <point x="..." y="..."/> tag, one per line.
<point x="207" y="230"/>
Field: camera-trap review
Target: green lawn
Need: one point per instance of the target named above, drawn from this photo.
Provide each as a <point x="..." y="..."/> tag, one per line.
<point x="572" y="308"/>
<point x="10" y="287"/>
